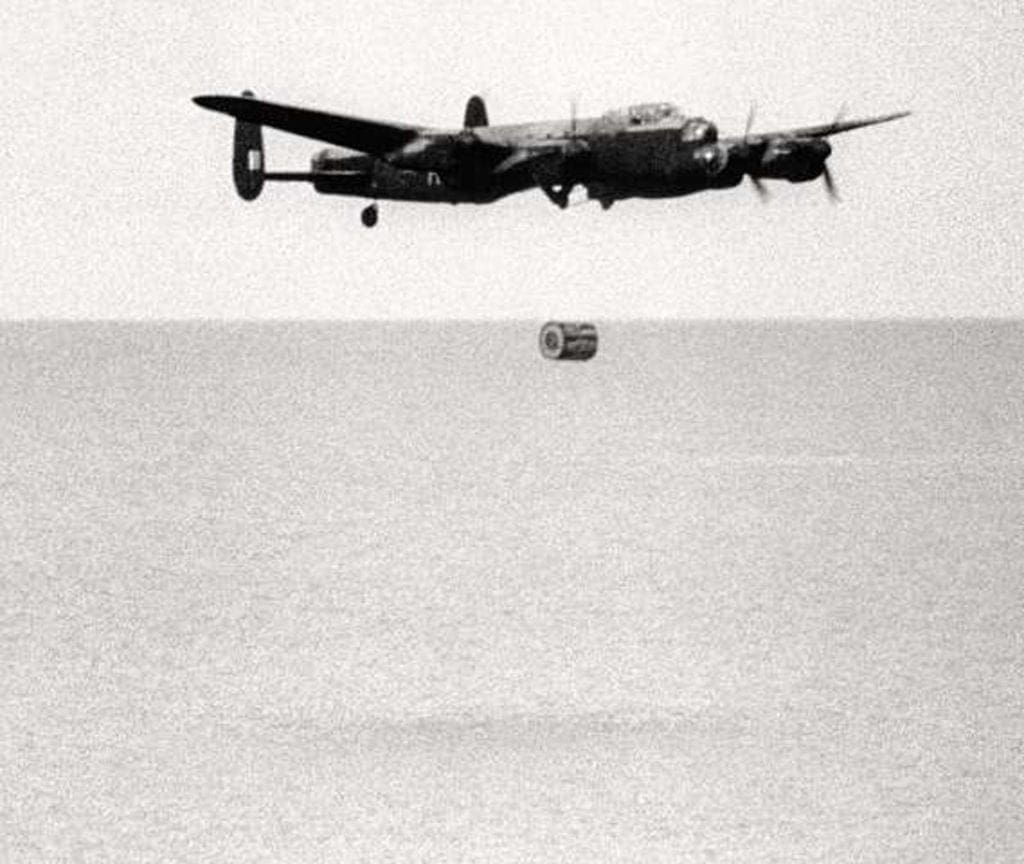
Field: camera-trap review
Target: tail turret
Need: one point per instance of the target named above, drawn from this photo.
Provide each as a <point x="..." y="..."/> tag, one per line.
<point x="247" y="165"/>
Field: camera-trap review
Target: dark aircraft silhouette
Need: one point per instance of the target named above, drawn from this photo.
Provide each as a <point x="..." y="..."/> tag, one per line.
<point x="650" y="150"/>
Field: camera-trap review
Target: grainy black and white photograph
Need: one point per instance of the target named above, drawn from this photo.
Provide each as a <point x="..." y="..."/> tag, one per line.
<point x="487" y="432"/>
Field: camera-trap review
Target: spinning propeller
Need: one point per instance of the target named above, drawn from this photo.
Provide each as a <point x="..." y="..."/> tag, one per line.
<point x="760" y="188"/>
<point x="830" y="185"/>
<point x="753" y="152"/>
<point x="826" y="176"/>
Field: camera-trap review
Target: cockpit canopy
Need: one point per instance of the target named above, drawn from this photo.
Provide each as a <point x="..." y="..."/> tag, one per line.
<point x="692" y="130"/>
<point x="697" y="130"/>
<point x="645" y="113"/>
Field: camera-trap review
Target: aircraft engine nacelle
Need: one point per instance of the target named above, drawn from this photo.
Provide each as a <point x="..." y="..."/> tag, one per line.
<point x="247" y="164"/>
<point x="793" y="159"/>
<point x="567" y="340"/>
<point x="713" y="158"/>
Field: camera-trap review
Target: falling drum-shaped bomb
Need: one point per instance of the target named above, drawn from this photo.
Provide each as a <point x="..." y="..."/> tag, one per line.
<point x="568" y="340"/>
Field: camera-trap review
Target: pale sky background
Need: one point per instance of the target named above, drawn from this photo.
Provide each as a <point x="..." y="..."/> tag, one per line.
<point x="117" y="199"/>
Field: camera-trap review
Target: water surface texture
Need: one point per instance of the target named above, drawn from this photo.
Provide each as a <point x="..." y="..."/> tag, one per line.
<point x="409" y="592"/>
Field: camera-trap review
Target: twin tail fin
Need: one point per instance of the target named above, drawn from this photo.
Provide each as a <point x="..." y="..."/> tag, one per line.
<point x="476" y="113"/>
<point x="247" y="164"/>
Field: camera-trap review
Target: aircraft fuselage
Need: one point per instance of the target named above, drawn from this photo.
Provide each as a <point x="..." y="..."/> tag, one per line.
<point x="336" y="173"/>
<point x="641" y="162"/>
<point x="648" y="150"/>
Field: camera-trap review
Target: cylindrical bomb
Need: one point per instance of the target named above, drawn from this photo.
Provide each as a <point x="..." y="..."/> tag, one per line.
<point x="568" y="340"/>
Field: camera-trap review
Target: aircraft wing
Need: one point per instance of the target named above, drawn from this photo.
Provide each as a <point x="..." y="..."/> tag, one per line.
<point x="366" y="136"/>
<point x="826" y="129"/>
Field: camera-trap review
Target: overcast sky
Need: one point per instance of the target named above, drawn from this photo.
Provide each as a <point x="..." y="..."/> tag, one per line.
<point x="117" y="199"/>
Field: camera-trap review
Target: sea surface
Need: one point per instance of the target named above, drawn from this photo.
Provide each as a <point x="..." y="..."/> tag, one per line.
<point x="361" y="592"/>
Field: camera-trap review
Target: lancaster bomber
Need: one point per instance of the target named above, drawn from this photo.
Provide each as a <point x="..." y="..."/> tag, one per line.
<point x="649" y="150"/>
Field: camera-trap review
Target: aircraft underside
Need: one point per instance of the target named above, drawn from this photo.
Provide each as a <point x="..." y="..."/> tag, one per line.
<point x="386" y="183"/>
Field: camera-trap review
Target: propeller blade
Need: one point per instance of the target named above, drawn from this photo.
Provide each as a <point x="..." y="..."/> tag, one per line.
<point x="750" y="120"/>
<point x="762" y="190"/>
<point x="830" y="185"/>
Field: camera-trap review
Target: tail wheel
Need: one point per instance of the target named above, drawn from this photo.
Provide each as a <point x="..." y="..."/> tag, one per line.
<point x="369" y="216"/>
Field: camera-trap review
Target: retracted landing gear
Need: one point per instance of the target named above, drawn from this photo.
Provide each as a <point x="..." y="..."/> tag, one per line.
<point x="369" y="215"/>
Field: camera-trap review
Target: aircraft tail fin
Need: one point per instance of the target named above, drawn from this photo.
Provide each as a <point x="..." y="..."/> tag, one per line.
<point x="247" y="166"/>
<point x="476" y="112"/>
